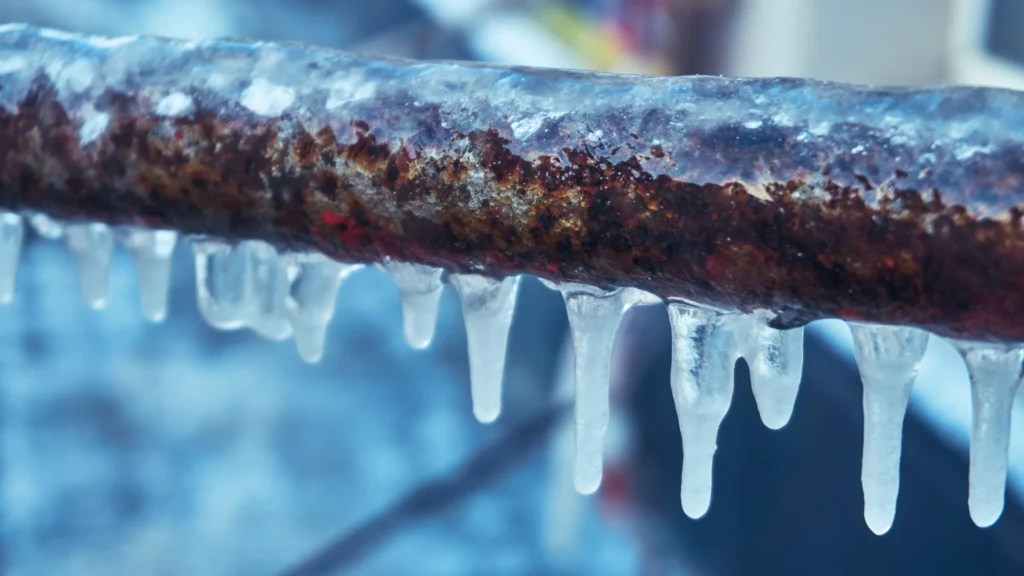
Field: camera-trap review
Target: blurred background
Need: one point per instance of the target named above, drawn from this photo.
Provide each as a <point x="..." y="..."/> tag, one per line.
<point x="129" y="448"/>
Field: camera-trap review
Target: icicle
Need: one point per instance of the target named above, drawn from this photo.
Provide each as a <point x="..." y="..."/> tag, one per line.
<point x="266" y="290"/>
<point x="315" y="281"/>
<point x="704" y="354"/>
<point x="92" y="246"/>
<point x="220" y="284"/>
<point x="151" y="252"/>
<point x="12" y="231"/>
<point x="420" y="287"/>
<point x="594" y="318"/>
<point x="995" y="372"/>
<point x="888" y="359"/>
<point x="45" y="226"/>
<point x="776" y="361"/>
<point x="487" y="307"/>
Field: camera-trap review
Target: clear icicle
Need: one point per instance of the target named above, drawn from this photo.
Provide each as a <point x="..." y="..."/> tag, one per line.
<point x="704" y="353"/>
<point x="220" y="284"/>
<point x="420" y="287"/>
<point x="12" y="233"/>
<point x="92" y="246"/>
<point x="151" y="252"/>
<point x="995" y="372"/>
<point x="487" y="307"/>
<point x="266" y="290"/>
<point x="776" y="361"/>
<point x="315" y="281"/>
<point x="45" y="226"/>
<point x="888" y="359"/>
<point x="594" y="318"/>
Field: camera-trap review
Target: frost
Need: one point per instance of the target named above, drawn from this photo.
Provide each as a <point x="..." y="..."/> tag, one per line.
<point x="267" y="99"/>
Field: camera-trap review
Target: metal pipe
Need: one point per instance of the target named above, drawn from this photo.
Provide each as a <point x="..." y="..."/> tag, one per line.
<point x="809" y="199"/>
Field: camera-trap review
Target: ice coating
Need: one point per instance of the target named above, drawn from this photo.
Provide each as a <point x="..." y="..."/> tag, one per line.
<point x="776" y="361"/>
<point x="420" y="288"/>
<point x="594" y="319"/>
<point x="315" y="281"/>
<point x="487" y="307"/>
<point x="92" y="245"/>
<point x="12" y="233"/>
<point x="995" y="372"/>
<point x="151" y="252"/>
<point x="704" y="353"/>
<point x="888" y="359"/>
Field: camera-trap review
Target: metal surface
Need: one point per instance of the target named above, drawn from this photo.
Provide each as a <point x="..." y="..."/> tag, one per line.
<point x="808" y="199"/>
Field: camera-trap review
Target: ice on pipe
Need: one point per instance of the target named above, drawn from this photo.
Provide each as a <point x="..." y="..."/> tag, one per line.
<point x="315" y="281"/>
<point x="776" y="361"/>
<point x="92" y="245"/>
<point x="266" y="290"/>
<point x="420" y="288"/>
<point x="487" y="307"/>
<point x="594" y="318"/>
<point x="45" y="226"/>
<point x="995" y="372"/>
<point x="704" y="354"/>
<point x="12" y="233"/>
<point x="151" y="252"/>
<point x="888" y="359"/>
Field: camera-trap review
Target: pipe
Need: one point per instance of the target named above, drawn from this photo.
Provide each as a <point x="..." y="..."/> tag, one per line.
<point x="808" y="199"/>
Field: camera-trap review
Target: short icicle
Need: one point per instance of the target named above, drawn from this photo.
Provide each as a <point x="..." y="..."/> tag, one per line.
<point x="45" y="226"/>
<point x="704" y="354"/>
<point x="315" y="281"/>
<point x="776" y="361"/>
<point x="220" y="283"/>
<point x="995" y="371"/>
<point x="888" y="359"/>
<point x="12" y="233"/>
<point x="151" y="252"/>
<point x="420" y="288"/>
<point x="92" y="245"/>
<point x="266" y="290"/>
<point x="594" y="319"/>
<point x="487" y="307"/>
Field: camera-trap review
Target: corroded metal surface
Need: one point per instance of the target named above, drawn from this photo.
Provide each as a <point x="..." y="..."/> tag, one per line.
<point x="808" y="199"/>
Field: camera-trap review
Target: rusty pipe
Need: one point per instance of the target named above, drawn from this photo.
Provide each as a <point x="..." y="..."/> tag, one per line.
<point x="809" y="199"/>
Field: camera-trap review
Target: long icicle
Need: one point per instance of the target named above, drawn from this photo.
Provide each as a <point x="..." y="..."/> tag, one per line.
<point x="594" y="319"/>
<point x="995" y="371"/>
<point x="704" y="354"/>
<point x="888" y="359"/>
<point x="487" y="308"/>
